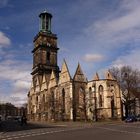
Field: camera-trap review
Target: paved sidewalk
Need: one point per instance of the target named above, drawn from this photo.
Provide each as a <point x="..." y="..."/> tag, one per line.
<point x="75" y="124"/>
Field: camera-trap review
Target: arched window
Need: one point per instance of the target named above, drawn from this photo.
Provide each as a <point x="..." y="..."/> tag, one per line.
<point x="43" y="23"/>
<point x="52" y="105"/>
<point x="81" y="97"/>
<point x="36" y="98"/>
<point x="43" y="98"/>
<point x="90" y="90"/>
<point x="101" y="96"/>
<point x="48" y="56"/>
<point x="90" y="94"/>
<point x="63" y="100"/>
<point x="52" y="99"/>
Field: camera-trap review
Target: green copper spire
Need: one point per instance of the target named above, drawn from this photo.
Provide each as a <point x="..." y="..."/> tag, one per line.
<point x="45" y="25"/>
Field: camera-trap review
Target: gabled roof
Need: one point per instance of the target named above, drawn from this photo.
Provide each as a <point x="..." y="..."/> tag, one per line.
<point x="65" y="74"/>
<point x="109" y="76"/>
<point x="65" y="68"/>
<point x="53" y="80"/>
<point x="79" y="75"/>
<point x="37" y="85"/>
<point x="40" y="78"/>
<point x="52" y="76"/>
<point x="96" y="77"/>
<point x="44" y="83"/>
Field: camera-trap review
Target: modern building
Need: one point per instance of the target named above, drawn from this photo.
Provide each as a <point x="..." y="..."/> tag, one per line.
<point x="56" y="96"/>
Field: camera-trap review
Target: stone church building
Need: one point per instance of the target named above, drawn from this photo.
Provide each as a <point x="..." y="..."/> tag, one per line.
<point x="56" y="96"/>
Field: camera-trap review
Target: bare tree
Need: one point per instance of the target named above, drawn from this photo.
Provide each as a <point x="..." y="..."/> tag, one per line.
<point x="129" y="81"/>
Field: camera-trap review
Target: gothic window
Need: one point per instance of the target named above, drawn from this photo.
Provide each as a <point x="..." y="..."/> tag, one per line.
<point x="112" y="106"/>
<point x="81" y="97"/>
<point x="63" y="100"/>
<point x="47" y="24"/>
<point x="90" y="94"/>
<point x="43" y="22"/>
<point x="34" y="81"/>
<point x="52" y="105"/>
<point x="37" y="99"/>
<point x="34" y="60"/>
<point x="112" y="89"/>
<point x="101" y="96"/>
<point x="52" y="99"/>
<point x="43" y="103"/>
<point x="43" y="98"/>
<point x="48" y="56"/>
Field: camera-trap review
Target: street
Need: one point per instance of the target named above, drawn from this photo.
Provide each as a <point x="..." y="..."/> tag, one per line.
<point x="71" y="131"/>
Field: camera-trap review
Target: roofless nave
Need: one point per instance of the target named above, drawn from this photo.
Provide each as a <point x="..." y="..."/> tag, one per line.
<point x="55" y="95"/>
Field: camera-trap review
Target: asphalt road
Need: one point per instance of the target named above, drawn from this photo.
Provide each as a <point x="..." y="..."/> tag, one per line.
<point x="98" y="131"/>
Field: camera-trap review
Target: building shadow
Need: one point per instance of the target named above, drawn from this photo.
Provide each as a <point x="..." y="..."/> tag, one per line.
<point x="10" y="126"/>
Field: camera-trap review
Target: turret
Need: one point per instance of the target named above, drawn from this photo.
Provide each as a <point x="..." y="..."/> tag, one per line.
<point x="45" y="22"/>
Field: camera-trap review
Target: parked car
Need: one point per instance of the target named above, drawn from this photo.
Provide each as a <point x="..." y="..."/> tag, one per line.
<point x="0" y="120"/>
<point x="17" y="118"/>
<point x="138" y="117"/>
<point x="130" y="119"/>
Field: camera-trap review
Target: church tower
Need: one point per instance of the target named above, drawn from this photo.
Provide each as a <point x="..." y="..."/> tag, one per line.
<point x="45" y="50"/>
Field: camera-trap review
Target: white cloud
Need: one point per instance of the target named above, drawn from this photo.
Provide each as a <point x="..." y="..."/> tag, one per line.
<point x="129" y="4"/>
<point x="93" y="57"/>
<point x="4" y="40"/>
<point x="14" y="70"/>
<point x="18" y="99"/>
<point x="116" y="36"/>
<point x="22" y="84"/>
<point x="17" y="73"/>
<point x="107" y="36"/>
<point x="117" y="28"/>
<point x="131" y="59"/>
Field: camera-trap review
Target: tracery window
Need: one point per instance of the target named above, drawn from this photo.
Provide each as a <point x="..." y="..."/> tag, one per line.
<point x="63" y="100"/>
<point x="48" y="56"/>
<point x="90" y="94"/>
<point x="101" y="96"/>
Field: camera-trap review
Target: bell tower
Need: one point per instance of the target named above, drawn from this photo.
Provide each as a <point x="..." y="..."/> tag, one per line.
<point x="45" y="49"/>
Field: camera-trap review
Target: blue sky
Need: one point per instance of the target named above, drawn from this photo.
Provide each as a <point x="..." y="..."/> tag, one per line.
<point x="97" y="33"/>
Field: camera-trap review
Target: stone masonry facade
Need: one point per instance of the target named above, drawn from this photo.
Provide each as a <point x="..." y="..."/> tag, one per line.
<point x="56" y="96"/>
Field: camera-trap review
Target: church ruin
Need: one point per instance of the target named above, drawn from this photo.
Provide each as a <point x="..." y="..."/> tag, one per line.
<point x="56" y="96"/>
